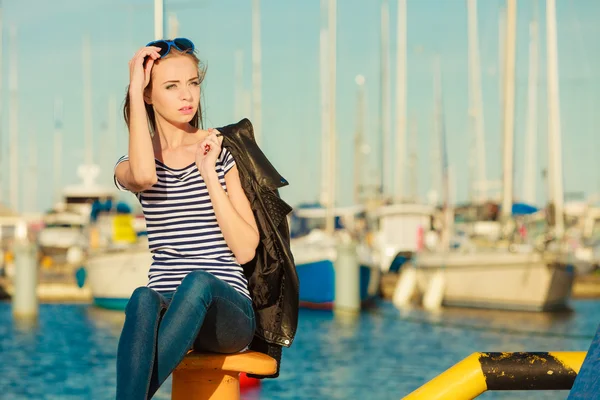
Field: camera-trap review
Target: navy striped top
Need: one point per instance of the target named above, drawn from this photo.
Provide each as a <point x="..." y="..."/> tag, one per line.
<point x="183" y="232"/>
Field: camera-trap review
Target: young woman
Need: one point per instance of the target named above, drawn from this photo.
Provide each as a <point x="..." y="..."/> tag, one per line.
<point x="201" y="228"/>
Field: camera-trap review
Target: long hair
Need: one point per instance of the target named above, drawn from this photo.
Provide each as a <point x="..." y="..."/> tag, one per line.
<point x="197" y="120"/>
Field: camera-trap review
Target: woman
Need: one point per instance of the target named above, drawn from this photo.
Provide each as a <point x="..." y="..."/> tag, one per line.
<point x="201" y="228"/>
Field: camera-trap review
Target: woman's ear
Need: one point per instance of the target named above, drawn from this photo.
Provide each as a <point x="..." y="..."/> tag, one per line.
<point x="147" y="98"/>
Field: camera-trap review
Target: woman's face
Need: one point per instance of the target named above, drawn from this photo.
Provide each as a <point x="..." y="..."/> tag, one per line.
<point x="175" y="92"/>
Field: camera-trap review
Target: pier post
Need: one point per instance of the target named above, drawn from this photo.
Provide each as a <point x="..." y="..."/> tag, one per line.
<point x="24" y="299"/>
<point x="347" y="277"/>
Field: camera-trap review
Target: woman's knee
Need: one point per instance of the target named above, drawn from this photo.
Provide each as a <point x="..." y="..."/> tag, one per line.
<point x="198" y="280"/>
<point x="199" y="284"/>
<point x="143" y="298"/>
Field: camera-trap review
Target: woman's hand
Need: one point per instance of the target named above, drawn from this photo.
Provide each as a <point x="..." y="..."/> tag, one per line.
<point x="139" y="74"/>
<point x="208" y="152"/>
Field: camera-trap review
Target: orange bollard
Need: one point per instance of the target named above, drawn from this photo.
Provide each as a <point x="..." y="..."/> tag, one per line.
<point x="205" y="376"/>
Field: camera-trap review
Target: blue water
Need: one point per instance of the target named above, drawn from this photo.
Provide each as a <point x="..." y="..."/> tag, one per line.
<point x="383" y="354"/>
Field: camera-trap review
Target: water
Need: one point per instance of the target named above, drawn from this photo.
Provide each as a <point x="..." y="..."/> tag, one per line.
<point x="384" y="354"/>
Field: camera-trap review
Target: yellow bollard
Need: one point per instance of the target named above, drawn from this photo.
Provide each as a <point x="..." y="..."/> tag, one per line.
<point x="481" y="372"/>
<point x="204" y="376"/>
<point x="464" y="380"/>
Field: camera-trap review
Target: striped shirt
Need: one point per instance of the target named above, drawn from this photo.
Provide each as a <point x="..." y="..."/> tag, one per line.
<point x="183" y="232"/>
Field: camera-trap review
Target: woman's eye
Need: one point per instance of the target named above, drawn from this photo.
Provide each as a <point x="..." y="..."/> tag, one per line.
<point x="170" y="86"/>
<point x="196" y="83"/>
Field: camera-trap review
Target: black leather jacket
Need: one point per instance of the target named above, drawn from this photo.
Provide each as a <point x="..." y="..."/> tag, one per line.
<point x="272" y="278"/>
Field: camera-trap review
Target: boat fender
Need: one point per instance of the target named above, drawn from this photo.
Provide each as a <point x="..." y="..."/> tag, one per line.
<point x="80" y="276"/>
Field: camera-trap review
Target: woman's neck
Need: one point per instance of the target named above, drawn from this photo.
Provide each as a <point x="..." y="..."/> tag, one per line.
<point x="170" y="136"/>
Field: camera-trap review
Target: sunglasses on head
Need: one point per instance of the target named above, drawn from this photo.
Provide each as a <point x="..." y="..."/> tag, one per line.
<point x="181" y="44"/>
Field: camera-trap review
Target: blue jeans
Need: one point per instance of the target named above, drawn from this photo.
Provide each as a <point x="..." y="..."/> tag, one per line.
<point x="205" y="313"/>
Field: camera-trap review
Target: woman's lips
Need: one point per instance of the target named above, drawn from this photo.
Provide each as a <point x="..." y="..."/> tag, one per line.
<point x="186" y="110"/>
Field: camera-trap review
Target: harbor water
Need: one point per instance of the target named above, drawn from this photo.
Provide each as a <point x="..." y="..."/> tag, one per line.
<point x="381" y="354"/>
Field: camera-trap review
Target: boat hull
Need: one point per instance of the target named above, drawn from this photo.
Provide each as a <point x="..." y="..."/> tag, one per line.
<point x="505" y="281"/>
<point x="317" y="284"/>
<point x="113" y="276"/>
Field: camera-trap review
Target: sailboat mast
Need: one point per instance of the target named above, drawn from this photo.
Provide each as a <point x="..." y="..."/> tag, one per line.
<point x="323" y="62"/>
<point x="435" y="150"/>
<point x="112" y="131"/>
<point x="401" y="153"/>
<point x="501" y="55"/>
<point x="256" y="72"/>
<point x="476" y="102"/>
<point x="359" y="138"/>
<point x="173" y="23"/>
<point x="386" y="122"/>
<point x="13" y="120"/>
<point x="332" y="49"/>
<point x="413" y="168"/>
<point x="58" y="115"/>
<point x="554" y="118"/>
<point x="531" y="144"/>
<point x="441" y="145"/>
<point x="509" y="109"/>
<point x="87" y="101"/>
<point x="32" y="179"/>
<point x="239" y="84"/>
<point x="159" y="19"/>
<point x="1" y="105"/>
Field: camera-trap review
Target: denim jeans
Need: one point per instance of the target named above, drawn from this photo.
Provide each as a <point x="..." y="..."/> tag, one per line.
<point x="205" y="313"/>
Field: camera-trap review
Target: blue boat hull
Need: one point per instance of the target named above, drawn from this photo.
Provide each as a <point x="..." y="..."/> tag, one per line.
<point x="317" y="287"/>
<point x="317" y="284"/>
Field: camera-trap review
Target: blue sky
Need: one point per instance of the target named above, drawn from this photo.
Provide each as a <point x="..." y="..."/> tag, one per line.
<point x="49" y="63"/>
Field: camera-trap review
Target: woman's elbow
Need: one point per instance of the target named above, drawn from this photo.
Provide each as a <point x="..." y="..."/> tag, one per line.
<point x="249" y="252"/>
<point x="245" y="257"/>
<point x="146" y="181"/>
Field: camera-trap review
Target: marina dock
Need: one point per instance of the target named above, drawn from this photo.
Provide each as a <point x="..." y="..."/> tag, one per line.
<point x="55" y="292"/>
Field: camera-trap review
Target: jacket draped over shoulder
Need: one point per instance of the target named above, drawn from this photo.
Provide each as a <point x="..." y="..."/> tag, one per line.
<point x="272" y="278"/>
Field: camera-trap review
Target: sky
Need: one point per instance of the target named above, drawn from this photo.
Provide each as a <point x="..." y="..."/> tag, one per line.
<point x="49" y="37"/>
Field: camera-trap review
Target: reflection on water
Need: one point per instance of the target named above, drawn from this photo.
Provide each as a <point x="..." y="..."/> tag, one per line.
<point x="26" y="325"/>
<point x="106" y="320"/>
<point x="381" y="354"/>
<point x="514" y="322"/>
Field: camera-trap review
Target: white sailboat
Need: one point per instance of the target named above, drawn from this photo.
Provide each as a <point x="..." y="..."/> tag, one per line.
<point x="535" y="280"/>
<point x="532" y="281"/>
<point x="113" y="269"/>
<point x="113" y="273"/>
<point x="315" y="251"/>
<point x="64" y="232"/>
<point x="118" y="258"/>
<point x="401" y="223"/>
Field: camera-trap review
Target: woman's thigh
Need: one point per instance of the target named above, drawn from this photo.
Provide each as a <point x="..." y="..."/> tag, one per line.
<point x="226" y="328"/>
<point x="227" y="316"/>
<point x="229" y="322"/>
